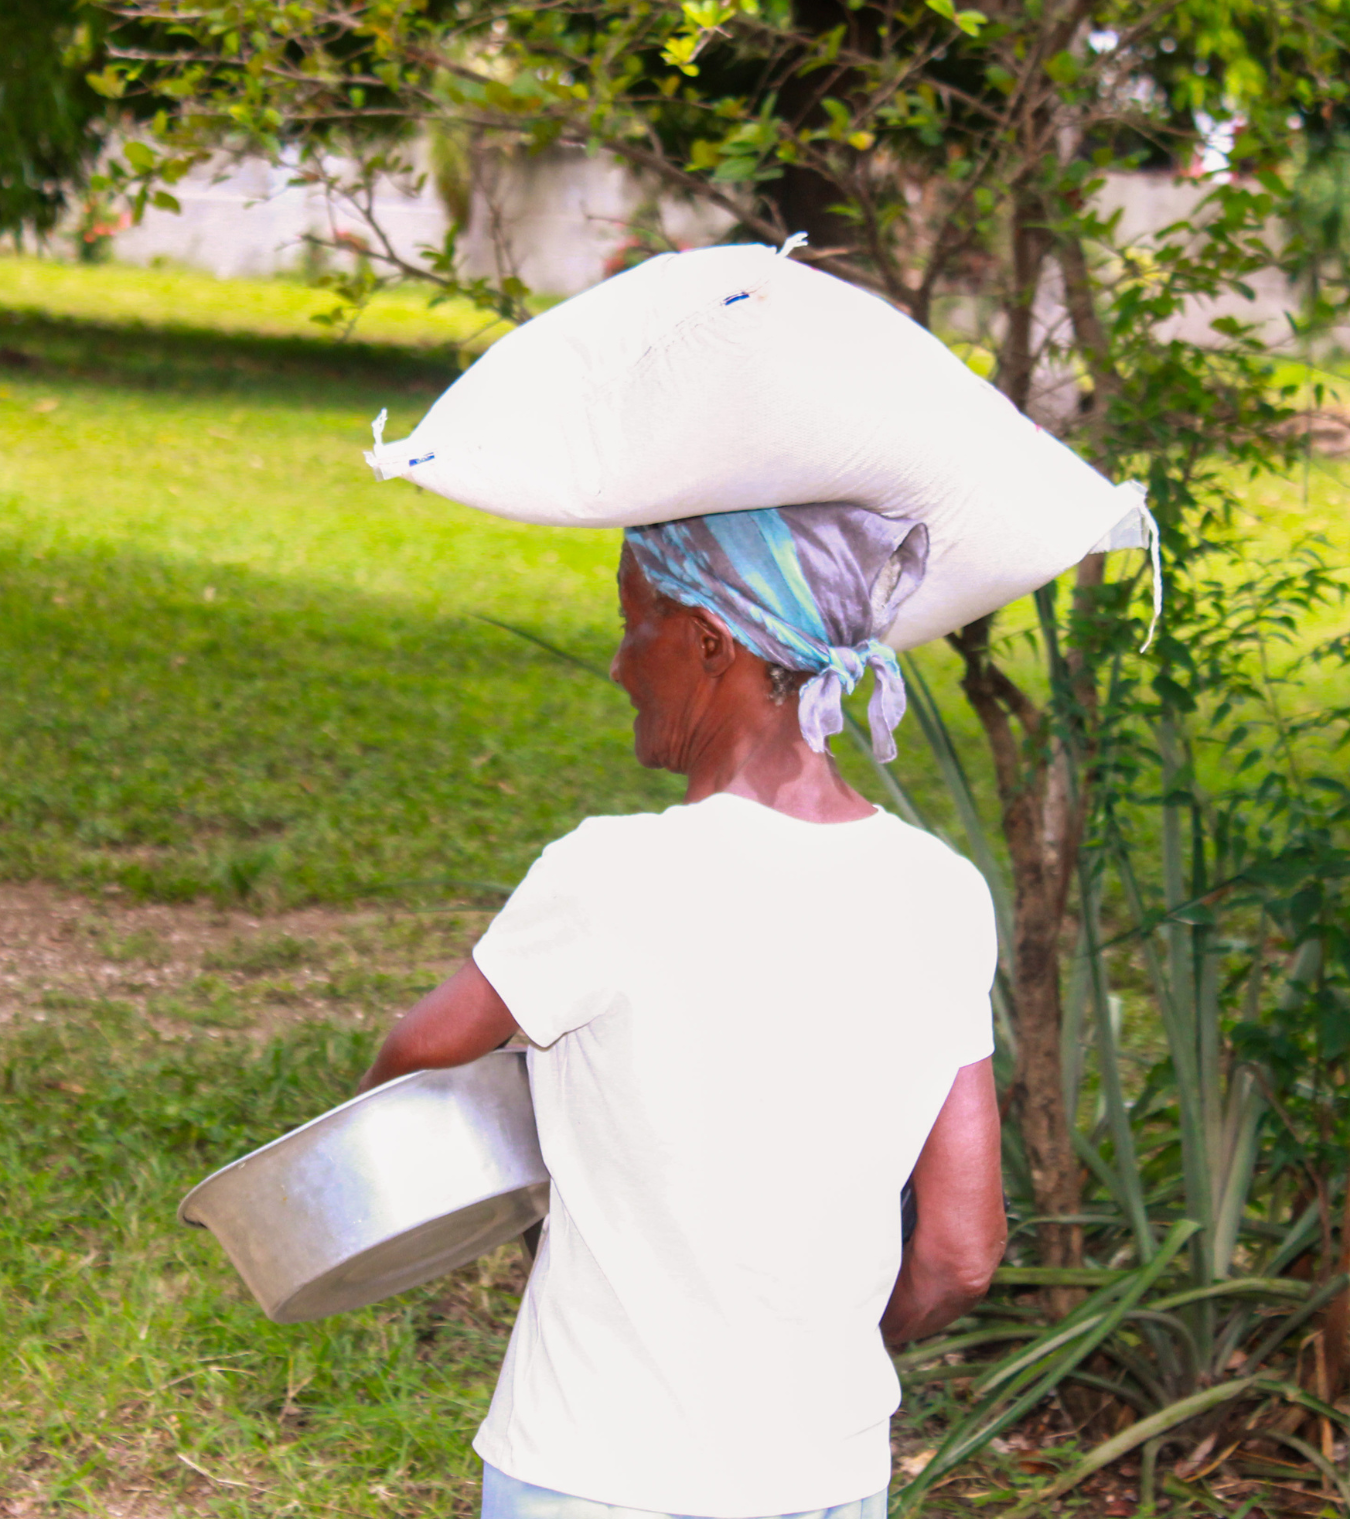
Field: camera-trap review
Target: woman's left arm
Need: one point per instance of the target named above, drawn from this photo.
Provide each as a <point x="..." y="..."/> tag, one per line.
<point x="461" y="1020"/>
<point x="958" y="1241"/>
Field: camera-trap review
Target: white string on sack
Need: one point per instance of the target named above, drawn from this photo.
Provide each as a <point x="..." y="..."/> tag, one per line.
<point x="797" y="240"/>
<point x="1138" y="529"/>
<point x="1155" y="565"/>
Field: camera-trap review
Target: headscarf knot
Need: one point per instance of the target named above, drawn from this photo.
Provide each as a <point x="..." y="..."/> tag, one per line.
<point x="820" y="702"/>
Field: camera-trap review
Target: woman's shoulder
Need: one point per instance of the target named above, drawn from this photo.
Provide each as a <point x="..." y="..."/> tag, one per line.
<point x="918" y="849"/>
<point x="603" y="834"/>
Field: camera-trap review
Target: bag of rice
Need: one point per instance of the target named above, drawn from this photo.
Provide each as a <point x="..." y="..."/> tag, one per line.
<point x="732" y="378"/>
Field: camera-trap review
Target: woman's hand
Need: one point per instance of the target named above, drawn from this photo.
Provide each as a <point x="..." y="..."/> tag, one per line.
<point x="958" y="1188"/>
<point x="461" y="1020"/>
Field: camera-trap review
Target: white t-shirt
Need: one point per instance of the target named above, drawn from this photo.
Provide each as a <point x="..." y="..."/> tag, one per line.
<point x="744" y="1028"/>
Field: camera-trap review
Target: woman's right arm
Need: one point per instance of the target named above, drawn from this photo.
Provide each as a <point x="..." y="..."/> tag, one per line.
<point x="958" y="1242"/>
<point x="461" y="1020"/>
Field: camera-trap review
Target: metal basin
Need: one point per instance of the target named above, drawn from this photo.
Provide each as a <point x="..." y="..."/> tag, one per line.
<point x="389" y="1190"/>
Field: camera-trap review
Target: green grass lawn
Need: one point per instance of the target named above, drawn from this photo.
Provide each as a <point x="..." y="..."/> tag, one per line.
<point x="184" y="299"/>
<point x="227" y="655"/>
<point x="229" y="661"/>
<point x="234" y="667"/>
<point x="231" y="664"/>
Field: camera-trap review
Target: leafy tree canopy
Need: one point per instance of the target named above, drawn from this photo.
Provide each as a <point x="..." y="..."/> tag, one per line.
<point x="52" y="122"/>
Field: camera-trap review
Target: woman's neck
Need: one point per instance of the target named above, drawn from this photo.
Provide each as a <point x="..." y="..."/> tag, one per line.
<point x="769" y="762"/>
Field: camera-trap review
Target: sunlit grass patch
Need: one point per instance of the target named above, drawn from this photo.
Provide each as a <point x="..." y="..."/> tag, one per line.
<point x="164" y="296"/>
<point x="231" y="664"/>
<point x="140" y="947"/>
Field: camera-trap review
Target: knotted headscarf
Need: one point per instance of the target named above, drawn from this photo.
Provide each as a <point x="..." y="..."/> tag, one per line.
<point x="805" y="587"/>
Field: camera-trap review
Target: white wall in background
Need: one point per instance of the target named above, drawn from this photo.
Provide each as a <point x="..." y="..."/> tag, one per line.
<point x="557" y="218"/>
<point x="1148" y="202"/>
<point x="245" y="219"/>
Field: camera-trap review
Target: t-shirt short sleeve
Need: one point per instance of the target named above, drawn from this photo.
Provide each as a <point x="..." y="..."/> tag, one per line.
<point x="972" y="1022"/>
<point x="549" y="952"/>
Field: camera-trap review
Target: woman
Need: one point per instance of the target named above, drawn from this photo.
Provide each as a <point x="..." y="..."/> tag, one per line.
<point x="752" y="1018"/>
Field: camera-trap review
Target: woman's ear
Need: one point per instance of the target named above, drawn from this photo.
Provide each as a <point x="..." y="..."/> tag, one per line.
<point x="716" y="646"/>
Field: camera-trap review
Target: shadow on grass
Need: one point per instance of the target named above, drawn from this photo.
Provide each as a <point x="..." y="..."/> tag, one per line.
<point x="184" y="358"/>
<point x="283" y="740"/>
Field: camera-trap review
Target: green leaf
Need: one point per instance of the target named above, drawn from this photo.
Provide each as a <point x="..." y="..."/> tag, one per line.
<point x="680" y="51"/>
<point x="944" y="8"/>
<point x="1137" y="1433"/>
<point x="837" y="111"/>
<point x="1324" y="1466"/>
<point x="1057" y="1276"/>
<point x="139" y="156"/>
<point x="1062" y="68"/>
<point x="703" y="154"/>
<point x="1292" y="1393"/>
<point x="181" y="88"/>
<point x="706" y="14"/>
<point x="163" y="201"/>
<point x="1243" y="1286"/>
<point x="734" y="170"/>
<point x="109" y="83"/>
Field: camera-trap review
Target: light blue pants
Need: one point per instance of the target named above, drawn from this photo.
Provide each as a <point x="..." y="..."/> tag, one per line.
<point x="508" y="1498"/>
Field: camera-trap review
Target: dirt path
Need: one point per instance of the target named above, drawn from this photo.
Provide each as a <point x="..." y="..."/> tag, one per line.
<point x="200" y="966"/>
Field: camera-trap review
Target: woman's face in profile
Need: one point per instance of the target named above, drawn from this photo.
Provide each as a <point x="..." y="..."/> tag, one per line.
<point x="657" y="664"/>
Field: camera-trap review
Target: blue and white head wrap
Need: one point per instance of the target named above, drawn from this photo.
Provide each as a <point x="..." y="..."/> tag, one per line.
<point x="805" y="587"/>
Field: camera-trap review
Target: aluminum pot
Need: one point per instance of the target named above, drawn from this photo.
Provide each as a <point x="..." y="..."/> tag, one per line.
<point x="393" y="1188"/>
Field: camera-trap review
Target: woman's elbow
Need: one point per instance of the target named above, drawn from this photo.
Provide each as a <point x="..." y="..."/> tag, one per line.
<point x="972" y="1282"/>
<point x="963" y="1261"/>
<point x="973" y="1275"/>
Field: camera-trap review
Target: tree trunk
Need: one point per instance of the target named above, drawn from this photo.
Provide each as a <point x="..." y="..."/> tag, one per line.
<point x="1041" y="821"/>
<point x="1336" y="1324"/>
<point x="1038" y="1087"/>
<point x="1030" y="243"/>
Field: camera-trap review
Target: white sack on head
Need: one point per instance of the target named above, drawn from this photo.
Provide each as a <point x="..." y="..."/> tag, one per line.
<point x="733" y="378"/>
